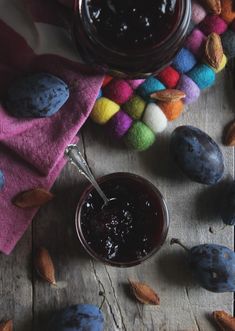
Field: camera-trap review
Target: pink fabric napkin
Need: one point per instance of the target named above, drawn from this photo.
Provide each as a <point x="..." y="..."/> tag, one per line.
<point x="31" y="151"/>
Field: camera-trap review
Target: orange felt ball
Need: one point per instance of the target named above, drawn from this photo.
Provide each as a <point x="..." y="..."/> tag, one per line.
<point x="107" y="79"/>
<point x="172" y="110"/>
<point x="228" y="10"/>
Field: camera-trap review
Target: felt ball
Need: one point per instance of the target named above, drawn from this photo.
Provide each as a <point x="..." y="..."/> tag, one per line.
<point x="154" y="118"/>
<point x="135" y="83"/>
<point x="99" y="94"/>
<point x="107" y="79"/>
<point x="190" y="27"/>
<point x="213" y="23"/>
<point x="227" y="10"/>
<point x="118" y="90"/>
<point x="103" y="110"/>
<point x="195" y="42"/>
<point x="190" y="88"/>
<point x="172" y="110"/>
<point x="184" y="61"/>
<point x="139" y="137"/>
<point x="135" y="107"/>
<point x="198" y="12"/>
<point x="203" y="76"/>
<point x="228" y="42"/>
<point x="2" y="180"/>
<point x="169" y="77"/>
<point x="150" y="86"/>
<point x="221" y="66"/>
<point x="119" y="124"/>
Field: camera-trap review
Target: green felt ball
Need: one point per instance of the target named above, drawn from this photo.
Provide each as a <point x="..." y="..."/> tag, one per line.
<point x="135" y="107"/>
<point x="139" y="137"/>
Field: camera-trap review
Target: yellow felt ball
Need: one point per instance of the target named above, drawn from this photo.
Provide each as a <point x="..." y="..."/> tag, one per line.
<point x="221" y="66"/>
<point x="103" y="110"/>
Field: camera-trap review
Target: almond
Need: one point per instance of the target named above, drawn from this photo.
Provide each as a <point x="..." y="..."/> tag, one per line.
<point x="144" y="293"/>
<point x="32" y="198"/>
<point x="214" y="50"/>
<point x="44" y="265"/>
<point x="6" y="326"/>
<point x="225" y="321"/>
<point x="168" y="95"/>
<point x="229" y="139"/>
<point x="213" y="6"/>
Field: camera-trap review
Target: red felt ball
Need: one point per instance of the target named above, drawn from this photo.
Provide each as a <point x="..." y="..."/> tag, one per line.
<point x="107" y="79"/>
<point x="118" y="90"/>
<point x="169" y="77"/>
<point x="213" y="23"/>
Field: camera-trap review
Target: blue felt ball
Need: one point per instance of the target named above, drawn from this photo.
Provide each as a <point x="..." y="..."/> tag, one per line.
<point x="228" y="42"/>
<point x="184" y="61"/>
<point x="2" y="180"/>
<point x="150" y="86"/>
<point x="37" y="95"/>
<point x="100" y="94"/>
<point x="82" y="317"/>
<point x="203" y="76"/>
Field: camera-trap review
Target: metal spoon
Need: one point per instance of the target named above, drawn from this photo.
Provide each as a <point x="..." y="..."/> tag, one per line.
<point x="75" y="157"/>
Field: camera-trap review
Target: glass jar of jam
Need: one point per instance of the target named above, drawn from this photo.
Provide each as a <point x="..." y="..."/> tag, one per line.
<point x="131" y="228"/>
<point x="130" y="38"/>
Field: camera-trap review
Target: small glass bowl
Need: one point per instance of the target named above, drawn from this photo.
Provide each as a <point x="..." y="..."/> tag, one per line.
<point x="138" y="180"/>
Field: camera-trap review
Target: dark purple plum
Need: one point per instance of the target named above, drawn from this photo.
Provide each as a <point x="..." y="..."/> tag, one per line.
<point x="213" y="266"/>
<point x="197" y="155"/>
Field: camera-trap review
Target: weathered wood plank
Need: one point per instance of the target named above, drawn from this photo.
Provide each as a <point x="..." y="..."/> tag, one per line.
<point x="16" y="285"/>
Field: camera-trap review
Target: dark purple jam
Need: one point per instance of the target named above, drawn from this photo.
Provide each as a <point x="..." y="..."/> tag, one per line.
<point x="130" y="227"/>
<point x="127" y="25"/>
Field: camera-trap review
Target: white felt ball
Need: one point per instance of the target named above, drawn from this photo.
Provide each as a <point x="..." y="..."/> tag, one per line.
<point x="154" y="118"/>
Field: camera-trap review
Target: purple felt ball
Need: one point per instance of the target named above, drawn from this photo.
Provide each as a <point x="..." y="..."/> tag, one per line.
<point x="198" y="12"/>
<point x="190" y="88"/>
<point x="213" y="23"/>
<point x="195" y="42"/>
<point x="119" y="125"/>
<point x="135" y="83"/>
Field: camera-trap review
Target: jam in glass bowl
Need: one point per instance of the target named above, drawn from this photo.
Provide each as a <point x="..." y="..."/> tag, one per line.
<point x="131" y="228"/>
<point x="130" y="38"/>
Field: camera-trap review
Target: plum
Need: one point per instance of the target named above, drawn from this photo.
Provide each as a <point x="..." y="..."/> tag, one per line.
<point x="37" y="95"/>
<point x="81" y="317"/>
<point x="197" y="155"/>
<point x="212" y="265"/>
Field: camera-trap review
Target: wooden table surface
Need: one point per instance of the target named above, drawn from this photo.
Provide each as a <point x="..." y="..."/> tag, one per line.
<point x="184" y="305"/>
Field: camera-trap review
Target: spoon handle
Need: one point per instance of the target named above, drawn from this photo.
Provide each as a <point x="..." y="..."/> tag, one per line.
<point x="75" y="157"/>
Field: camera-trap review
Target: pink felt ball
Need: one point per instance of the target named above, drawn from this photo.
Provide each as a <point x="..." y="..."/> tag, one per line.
<point x="213" y="23"/>
<point x="119" y="125"/>
<point x="118" y="90"/>
<point x="195" y="42"/>
<point x="135" y="83"/>
<point x="190" y="88"/>
<point x="198" y="12"/>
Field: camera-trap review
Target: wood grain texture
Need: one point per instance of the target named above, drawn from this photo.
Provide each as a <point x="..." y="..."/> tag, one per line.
<point x="184" y="305"/>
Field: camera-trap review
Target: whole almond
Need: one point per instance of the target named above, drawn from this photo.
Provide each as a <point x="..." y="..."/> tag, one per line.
<point x="229" y="139"/>
<point x="6" y="326"/>
<point x="225" y="321"/>
<point x="32" y="198"/>
<point x="214" y="50"/>
<point x="213" y="6"/>
<point x="144" y="293"/>
<point x="168" y="95"/>
<point x="44" y="265"/>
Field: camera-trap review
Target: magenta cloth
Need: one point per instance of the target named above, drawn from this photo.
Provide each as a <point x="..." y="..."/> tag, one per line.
<point x="32" y="150"/>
